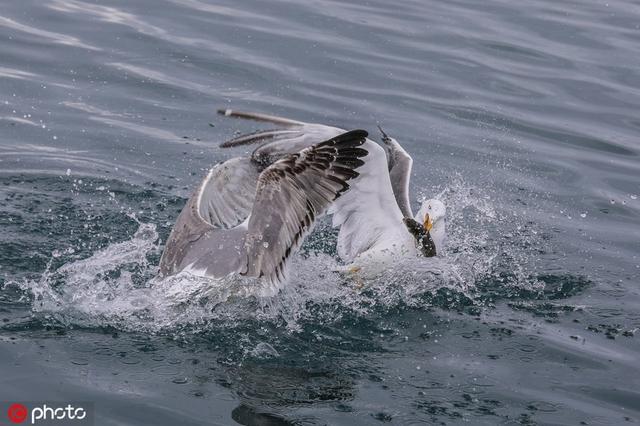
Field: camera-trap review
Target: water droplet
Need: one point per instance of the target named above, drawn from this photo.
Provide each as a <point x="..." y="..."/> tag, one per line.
<point x="265" y="244"/>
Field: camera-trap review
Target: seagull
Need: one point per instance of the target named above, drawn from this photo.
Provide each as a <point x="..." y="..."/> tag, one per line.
<point x="249" y="218"/>
<point x="377" y="225"/>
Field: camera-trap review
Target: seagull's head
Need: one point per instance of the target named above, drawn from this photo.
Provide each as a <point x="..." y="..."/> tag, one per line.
<point x="428" y="227"/>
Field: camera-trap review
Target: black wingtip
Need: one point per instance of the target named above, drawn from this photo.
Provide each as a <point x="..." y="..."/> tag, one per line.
<point x="348" y="152"/>
<point x="350" y="139"/>
<point x="357" y="133"/>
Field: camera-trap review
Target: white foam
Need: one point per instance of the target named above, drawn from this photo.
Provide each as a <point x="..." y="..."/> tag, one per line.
<point x="117" y="286"/>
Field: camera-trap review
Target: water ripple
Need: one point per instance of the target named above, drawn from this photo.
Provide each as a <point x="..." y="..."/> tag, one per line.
<point x="522" y="116"/>
<point x="44" y="34"/>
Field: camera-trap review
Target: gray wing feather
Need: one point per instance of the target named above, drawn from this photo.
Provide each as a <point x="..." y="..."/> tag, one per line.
<point x="286" y="144"/>
<point x="223" y="200"/>
<point x="297" y="135"/>
<point x="188" y="229"/>
<point x="225" y="197"/>
<point x="275" y="144"/>
<point x="260" y="136"/>
<point x="291" y="194"/>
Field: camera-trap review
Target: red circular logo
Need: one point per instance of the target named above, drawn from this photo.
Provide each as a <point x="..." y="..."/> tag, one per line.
<point x="17" y="413"/>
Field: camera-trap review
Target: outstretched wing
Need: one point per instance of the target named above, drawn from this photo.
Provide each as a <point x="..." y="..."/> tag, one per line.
<point x="292" y="136"/>
<point x="368" y="213"/>
<point x="373" y="209"/>
<point x="400" y="163"/>
<point x="291" y="194"/>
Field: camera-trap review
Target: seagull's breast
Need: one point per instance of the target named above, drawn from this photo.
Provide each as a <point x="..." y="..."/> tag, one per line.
<point x="388" y="250"/>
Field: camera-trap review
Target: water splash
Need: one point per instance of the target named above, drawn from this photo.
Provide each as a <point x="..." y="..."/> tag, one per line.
<point x="118" y="285"/>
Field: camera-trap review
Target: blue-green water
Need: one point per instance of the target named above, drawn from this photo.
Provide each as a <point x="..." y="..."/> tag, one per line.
<point x="521" y="116"/>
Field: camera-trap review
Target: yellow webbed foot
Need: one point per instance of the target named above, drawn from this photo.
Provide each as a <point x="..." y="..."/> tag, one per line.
<point x="353" y="271"/>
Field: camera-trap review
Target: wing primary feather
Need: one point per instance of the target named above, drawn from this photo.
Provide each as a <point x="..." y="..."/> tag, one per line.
<point x="291" y="194"/>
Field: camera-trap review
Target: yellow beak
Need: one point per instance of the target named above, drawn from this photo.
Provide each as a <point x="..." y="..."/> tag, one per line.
<point x="427" y="223"/>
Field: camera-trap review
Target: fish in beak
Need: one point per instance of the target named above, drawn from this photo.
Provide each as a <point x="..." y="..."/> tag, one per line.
<point x="420" y="232"/>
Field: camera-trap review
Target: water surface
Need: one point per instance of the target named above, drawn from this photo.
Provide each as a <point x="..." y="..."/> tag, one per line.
<point x="522" y="117"/>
